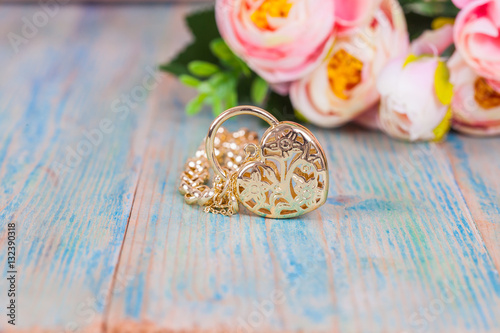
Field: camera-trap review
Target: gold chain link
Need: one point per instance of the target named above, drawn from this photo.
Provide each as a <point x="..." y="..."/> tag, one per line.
<point x="230" y="152"/>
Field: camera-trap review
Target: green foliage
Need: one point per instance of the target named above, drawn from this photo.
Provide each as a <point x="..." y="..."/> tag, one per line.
<point x="417" y="24"/>
<point x="420" y="14"/>
<point x="189" y="80"/>
<point x="202" y="68"/>
<point x="430" y="8"/>
<point x="221" y="78"/>
<point x="203" y="27"/>
<point x="259" y="90"/>
<point x="194" y="106"/>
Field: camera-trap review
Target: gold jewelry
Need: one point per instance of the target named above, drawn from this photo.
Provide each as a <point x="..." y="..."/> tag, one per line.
<point x="283" y="176"/>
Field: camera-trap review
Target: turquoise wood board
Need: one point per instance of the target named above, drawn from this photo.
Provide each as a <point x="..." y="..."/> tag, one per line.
<point x="92" y="142"/>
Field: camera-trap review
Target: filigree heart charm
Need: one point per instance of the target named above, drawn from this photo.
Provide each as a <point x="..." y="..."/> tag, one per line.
<point x="285" y="176"/>
<point x="288" y="176"/>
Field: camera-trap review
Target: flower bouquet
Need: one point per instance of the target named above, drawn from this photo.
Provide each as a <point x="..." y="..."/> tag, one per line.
<point x="412" y="69"/>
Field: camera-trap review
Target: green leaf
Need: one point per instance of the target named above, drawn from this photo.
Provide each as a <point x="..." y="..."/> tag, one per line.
<point x="431" y="8"/>
<point x="226" y="91"/>
<point x="189" y="80"/>
<point x="230" y="80"/>
<point x="202" y="68"/>
<point x="217" y="106"/>
<point x="300" y="117"/>
<point x="205" y="88"/>
<point x="420" y="14"/>
<point x="228" y="85"/>
<point x="194" y="106"/>
<point x="259" y="90"/>
<point x="220" y="49"/>
<point x="217" y="79"/>
<point x="244" y="68"/>
<point x="203" y="28"/>
<point x="223" y="52"/>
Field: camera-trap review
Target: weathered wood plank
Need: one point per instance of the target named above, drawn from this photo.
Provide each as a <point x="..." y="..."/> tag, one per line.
<point x="395" y="248"/>
<point x="71" y="152"/>
<point x="476" y="168"/>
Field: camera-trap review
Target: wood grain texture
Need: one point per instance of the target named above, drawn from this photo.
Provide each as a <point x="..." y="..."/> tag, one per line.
<point x="68" y="184"/>
<point x="395" y="240"/>
<point x="476" y="171"/>
<point x="109" y="245"/>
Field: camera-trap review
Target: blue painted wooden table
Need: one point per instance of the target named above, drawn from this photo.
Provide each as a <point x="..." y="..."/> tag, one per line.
<point x="92" y="141"/>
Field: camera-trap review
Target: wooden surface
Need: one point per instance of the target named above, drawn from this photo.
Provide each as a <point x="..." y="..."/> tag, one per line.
<point x="408" y="241"/>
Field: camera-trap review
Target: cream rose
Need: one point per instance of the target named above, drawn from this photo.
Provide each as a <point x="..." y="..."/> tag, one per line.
<point x="343" y="86"/>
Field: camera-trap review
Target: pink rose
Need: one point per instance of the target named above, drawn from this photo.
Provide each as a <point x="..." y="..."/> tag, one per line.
<point x="477" y="36"/>
<point x="393" y="115"/>
<point x="353" y="13"/>
<point x="343" y="86"/>
<point x="476" y="103"/>
<point x="281" y="40"/>
<point x="415" y="98"/>
<point x="461" y="3"/>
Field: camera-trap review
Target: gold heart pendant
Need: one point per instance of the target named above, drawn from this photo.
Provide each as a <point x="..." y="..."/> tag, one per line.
<point x="286" y="175"/>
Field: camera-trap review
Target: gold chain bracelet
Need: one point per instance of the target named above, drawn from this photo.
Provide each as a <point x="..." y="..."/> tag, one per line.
<point x="229" y="149"/>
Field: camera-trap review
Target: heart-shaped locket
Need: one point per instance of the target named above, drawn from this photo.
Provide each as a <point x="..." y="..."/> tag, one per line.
<point x="289" y="176"/>
<point x="285" y="176"/>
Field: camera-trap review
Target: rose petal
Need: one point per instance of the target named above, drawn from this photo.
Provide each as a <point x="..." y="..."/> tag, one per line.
<point x="433" y="42"/>
<point x="353" y="13"/>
